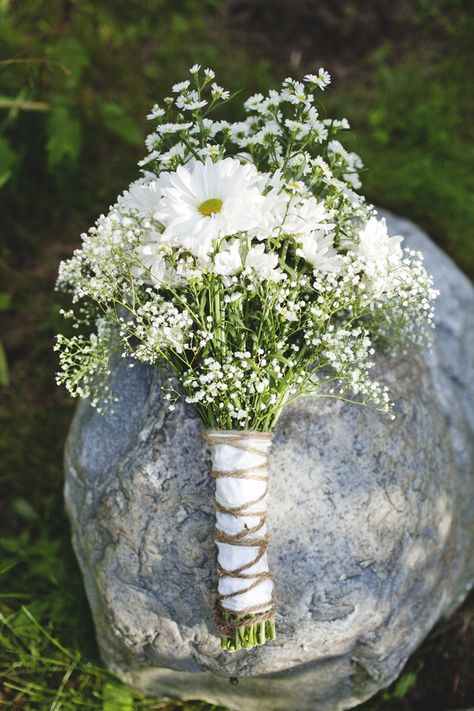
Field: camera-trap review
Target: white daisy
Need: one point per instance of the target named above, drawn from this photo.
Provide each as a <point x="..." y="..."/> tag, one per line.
<point x="205" y="201"/>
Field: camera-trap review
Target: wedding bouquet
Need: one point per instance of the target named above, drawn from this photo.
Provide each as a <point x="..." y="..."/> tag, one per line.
<point x="244" y="259"/>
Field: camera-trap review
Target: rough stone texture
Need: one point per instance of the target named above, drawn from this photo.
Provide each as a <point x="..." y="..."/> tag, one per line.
<point x="371" y="526"/>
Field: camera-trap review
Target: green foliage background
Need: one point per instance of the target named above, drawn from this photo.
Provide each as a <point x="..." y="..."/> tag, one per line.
<point x="77" y="78"/>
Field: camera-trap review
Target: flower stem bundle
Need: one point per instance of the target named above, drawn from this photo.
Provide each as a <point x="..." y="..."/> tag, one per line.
<point x="244" y="259"/>
<point x="245" y="606"/>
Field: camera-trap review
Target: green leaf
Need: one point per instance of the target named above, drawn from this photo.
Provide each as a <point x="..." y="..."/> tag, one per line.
<point x="24" y="509"/>
<point x="8" y="160"/>
<point x="4" y="374"/>
<point x="71" y="53"/>
<point x="64" y="135"/>
<point x="116" y="697"/>
<point x="5" y="300"/>
<point x="119" y="122"/>
<point x="404" y="684"/>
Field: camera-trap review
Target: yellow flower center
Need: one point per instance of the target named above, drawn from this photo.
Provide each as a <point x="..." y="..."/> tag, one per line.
<point x="210" y="207"/>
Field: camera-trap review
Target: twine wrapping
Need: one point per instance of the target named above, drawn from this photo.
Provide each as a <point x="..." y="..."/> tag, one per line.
<point x="240" y="460"/>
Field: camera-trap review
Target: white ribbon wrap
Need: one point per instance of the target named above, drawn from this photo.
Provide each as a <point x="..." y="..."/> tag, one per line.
<point x="237" y="493"/>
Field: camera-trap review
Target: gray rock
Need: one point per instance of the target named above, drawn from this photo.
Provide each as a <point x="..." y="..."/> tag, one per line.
<point x="371" y="525"/>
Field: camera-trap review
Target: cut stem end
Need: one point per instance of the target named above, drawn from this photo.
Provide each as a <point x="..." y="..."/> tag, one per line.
<point x="252" y="634"/>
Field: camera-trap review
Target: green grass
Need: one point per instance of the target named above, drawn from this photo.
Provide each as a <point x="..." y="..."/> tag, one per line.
<point x="71" y="127"/>
<point x="41" y="673"/>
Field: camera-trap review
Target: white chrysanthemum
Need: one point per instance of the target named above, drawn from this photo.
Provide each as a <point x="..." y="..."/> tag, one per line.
<point x="228" y="261"/>
<point x="318" y="249"/>
<point x="142" y="197"/>
<point x="153" y="263"/>
<point x="381" y="251"/>
<point x="304" y="217"/>
<point x="275" y="207"/>
<point x="152" y="267"/>
<point x="382" y="254"/>
<point x="205" y="201"/>
<point x="263" y="263"/>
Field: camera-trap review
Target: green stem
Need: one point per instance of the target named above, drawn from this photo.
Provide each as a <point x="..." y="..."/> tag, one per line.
<point x="253" y="634"/>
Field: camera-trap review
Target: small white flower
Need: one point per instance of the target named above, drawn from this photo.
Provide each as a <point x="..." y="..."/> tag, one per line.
<point x="322" y="79"/>
<point x="254" y="102"/>
<point x="297" y="187"/>
<point x="319" y="132"/>
<point x="288" y="315"/>
<point x="170" y="157"/>
<point x="150" y="157"/>
<point x="181" y="86"/>
<point x="337" y="123"/>
<point x="195" y="69"/>
<point x="294" y="92"/>
<point x="271" y="128"/>
<point x="298" y="128"/>
<point x="210" y="127"/>
<point x="209" y="73"/>
<point x="353" y="180"/>
<point x="337" y="150"/>
<point x="212" y="151"/>
<point x="156" y="112"/>
<point x="173" y="127"/>
<point x="190" y="101"/>
<point x="218" y="92"/>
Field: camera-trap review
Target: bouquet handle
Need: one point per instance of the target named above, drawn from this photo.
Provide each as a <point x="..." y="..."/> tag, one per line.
<point x="245" y="605"/>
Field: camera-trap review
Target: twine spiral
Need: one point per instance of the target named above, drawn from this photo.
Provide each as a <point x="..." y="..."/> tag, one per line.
<point x="247" y="536"/>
